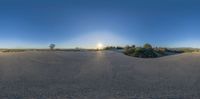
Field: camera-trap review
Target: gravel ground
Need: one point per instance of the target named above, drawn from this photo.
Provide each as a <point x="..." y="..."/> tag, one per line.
<point x="98" y="75"/>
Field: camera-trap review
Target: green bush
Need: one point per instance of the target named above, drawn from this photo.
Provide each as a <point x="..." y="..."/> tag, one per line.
<point x="161" y="51"/>
<point x="150" y="53"/>
<point x="119" y="47"/>
<point x="145" y="53"/>
<point x="109" y="48"/>
<point x="113" y="48"/>
<point x="129" y="51"/>
<point x="147" y="46"/>
<point x="138" y="52"/>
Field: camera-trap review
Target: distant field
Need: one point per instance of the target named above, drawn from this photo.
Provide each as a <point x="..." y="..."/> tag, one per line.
<point x="98" y="75"/>
<point x="23" y="50"/>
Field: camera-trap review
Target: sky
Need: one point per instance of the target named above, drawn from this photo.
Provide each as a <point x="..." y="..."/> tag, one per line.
<point x="85" y="23"/>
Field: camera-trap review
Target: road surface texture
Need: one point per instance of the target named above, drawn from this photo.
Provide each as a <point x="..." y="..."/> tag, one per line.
<point x="98" y="75"/>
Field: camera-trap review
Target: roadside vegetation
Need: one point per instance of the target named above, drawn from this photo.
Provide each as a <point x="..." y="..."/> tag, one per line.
<point x="12" y="50"/>
<point x="147" y="51"/>
<point x="113" y="48"/>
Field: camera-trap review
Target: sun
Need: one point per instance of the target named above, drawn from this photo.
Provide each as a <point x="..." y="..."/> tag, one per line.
<point x="99" y="46"/>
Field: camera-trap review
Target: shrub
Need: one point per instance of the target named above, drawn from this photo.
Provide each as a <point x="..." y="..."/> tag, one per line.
<point x="145" y="53"/>
<point x="127" y="47"/>
<point x="109" y="48"/>
<point x="138" y="52"/>
<point x="147" y="46"/>
<point x="133" y="46"/>
<point x="129" y="51"/>
<point x="150" y="53"/>
<point x="118" y="47"/>
<point x="161" y="51"/>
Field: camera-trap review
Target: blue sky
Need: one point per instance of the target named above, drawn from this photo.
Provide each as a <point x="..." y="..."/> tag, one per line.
<point x="84" y="23"/>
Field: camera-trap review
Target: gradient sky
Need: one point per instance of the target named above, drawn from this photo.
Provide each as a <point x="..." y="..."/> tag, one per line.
<point x="84" y="23"/>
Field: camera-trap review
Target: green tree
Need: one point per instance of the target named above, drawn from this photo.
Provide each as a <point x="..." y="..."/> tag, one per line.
<point x="52" y="46"/>
<point x="147" y="46"/>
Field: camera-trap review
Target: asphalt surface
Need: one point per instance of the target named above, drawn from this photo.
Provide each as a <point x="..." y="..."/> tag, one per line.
<point x="98" y="75"/>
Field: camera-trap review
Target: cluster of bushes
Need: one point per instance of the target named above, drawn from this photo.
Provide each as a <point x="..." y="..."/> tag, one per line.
<point x="147" y="51"/>
<point x="113" y="48"/>
<point x="143" y="52"/>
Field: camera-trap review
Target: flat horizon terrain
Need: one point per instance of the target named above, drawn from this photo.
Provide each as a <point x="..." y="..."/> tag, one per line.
<point x="98" y="75"/>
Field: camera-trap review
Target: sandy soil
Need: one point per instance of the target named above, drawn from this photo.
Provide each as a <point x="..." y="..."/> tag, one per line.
<point x="98" y="75"/>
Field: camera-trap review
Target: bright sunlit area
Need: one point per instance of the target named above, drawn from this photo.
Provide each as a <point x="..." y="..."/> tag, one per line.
<point x="98" y="40"/>
<point x="100" y="45"/>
